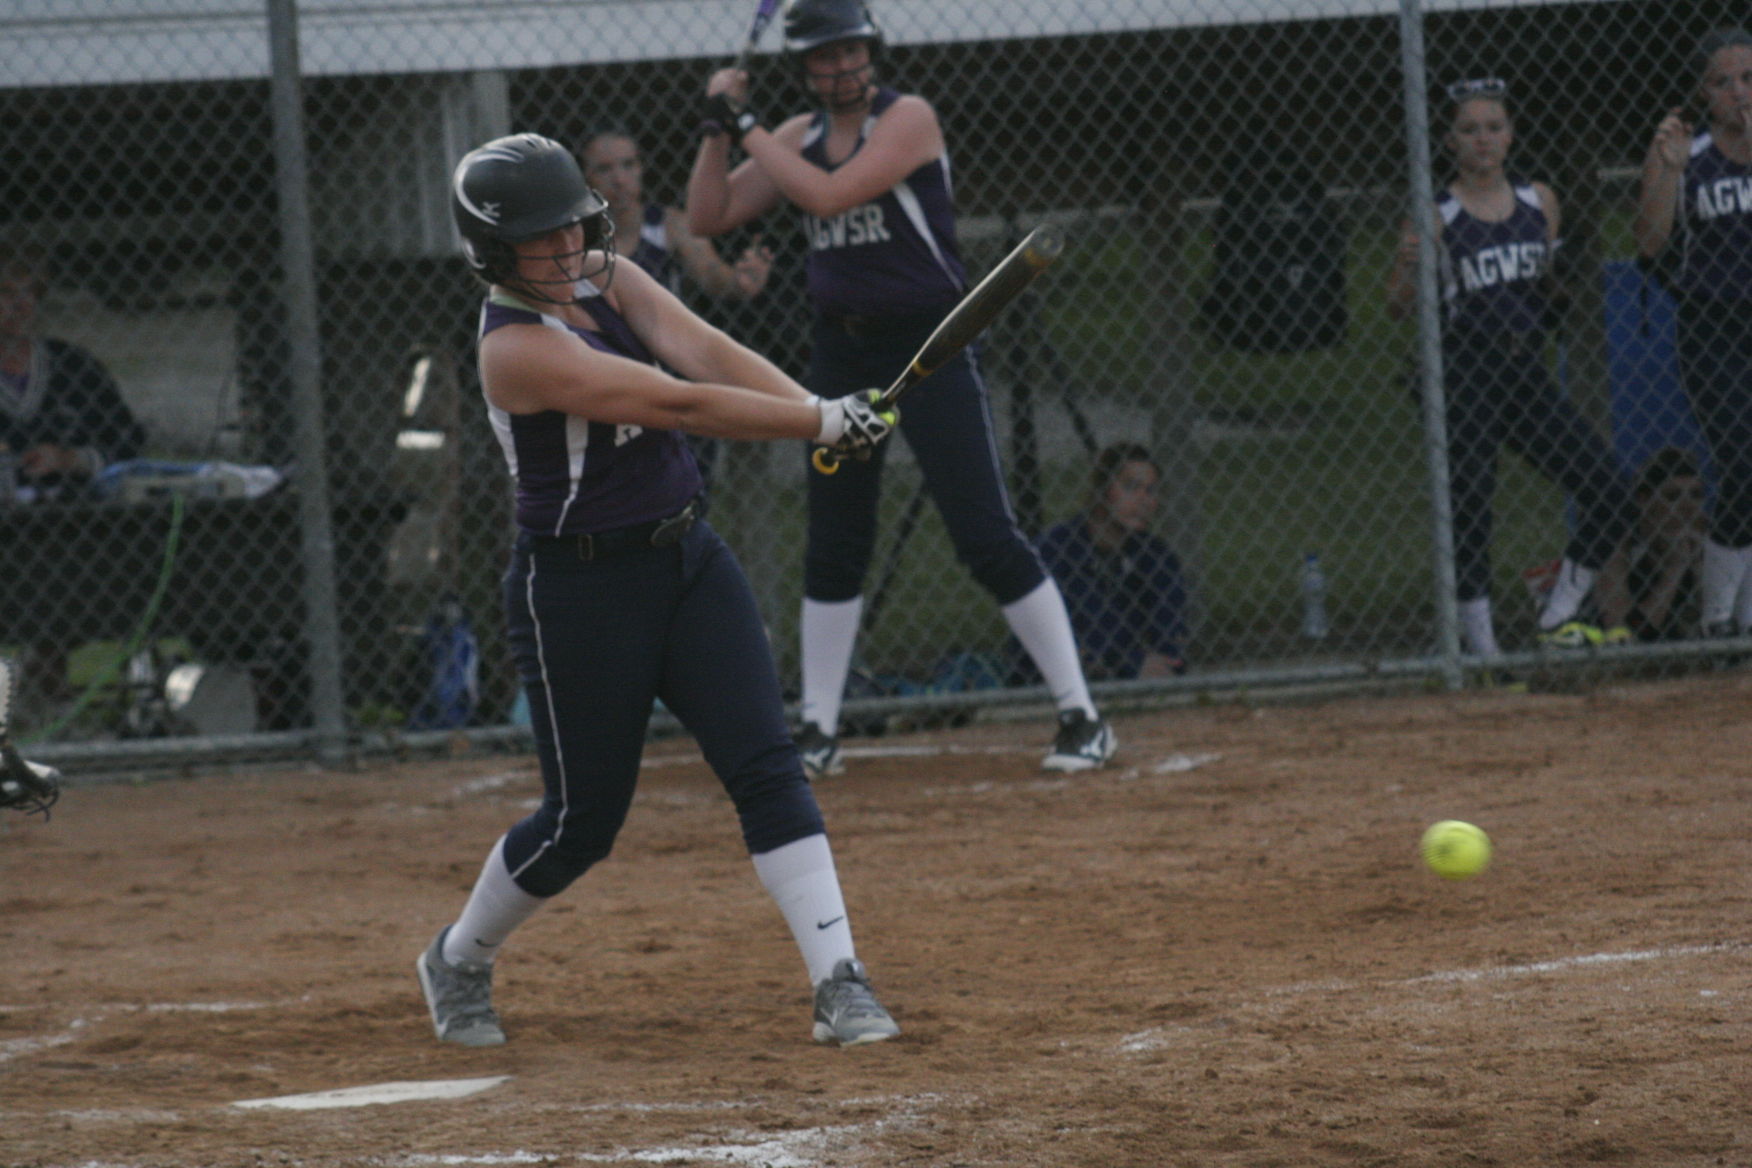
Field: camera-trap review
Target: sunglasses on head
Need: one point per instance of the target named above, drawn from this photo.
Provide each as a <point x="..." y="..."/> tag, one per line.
<point x="1478" y="87"/>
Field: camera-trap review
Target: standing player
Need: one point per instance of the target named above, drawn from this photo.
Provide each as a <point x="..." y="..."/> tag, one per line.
<point x="617" y="592"/>
<point x="655" y="236"/>
<point x="870" y="173"/>
<point x="1498" y="237"/>
<point x="657" y="239"/>
<point x="1694" y="225"/>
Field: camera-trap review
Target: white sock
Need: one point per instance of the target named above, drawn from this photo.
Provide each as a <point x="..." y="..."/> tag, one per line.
<point x="1041" y="623"/>
<point x="1574" y="582"/>
<point x="1476" y="628"/>
<point x="1724" y="569"/>
<point x="494" y="909"/>
<point x="829" y="631"/>
<point x="800" y="878"/>
<point x="1743" y="598"/>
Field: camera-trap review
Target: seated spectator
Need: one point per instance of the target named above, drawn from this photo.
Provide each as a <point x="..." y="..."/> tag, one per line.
<point x="62" y="417"/>
<point x="1663" y="561"/>
<point x="1122" y="585"/>
<point x="1648" y="590"/>
<point x="62" y="420"/>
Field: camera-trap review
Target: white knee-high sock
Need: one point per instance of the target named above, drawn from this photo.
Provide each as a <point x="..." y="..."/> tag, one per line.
<point x="1041" y="623"/>
<point x="829" y="632"/>
<point x="1724" y="569"/>
<point x="800" y="878"/>
<point x="494" y="909"/>
<point x="1476" y="629"/>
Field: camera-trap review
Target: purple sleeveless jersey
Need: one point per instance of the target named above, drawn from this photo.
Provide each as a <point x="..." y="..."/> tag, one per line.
<point x="1714" y="226"/>
<point x="896" y="254"/>
<point x="574" y="475"/>
<point x="1493" y="273"/>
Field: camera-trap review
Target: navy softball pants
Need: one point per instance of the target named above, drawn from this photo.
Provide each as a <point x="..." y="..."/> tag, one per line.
<point x="946" y="420"/>
<point x="1500" y="394"/>
<point x="1715" y="365"/>
<point x="595" y="642"/>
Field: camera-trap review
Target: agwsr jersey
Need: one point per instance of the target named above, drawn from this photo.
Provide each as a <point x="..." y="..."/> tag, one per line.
<point x="1492" y="274"/>
<point x="574" y="475"/>
<point x="896" y="254"/>
<point x="1713" y="226"/>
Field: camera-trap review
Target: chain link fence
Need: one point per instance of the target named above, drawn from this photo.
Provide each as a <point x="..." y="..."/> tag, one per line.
<point x="241" y="213"/>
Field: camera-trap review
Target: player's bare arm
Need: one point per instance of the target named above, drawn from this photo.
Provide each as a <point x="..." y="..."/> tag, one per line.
<point x="530" y="368"/>
<point x="1663" y="171"/>
<point x="904" y="138"/>
<point x="690" y="346"/>
<point x="720" y="199"/>
<point x="1402" y="276"/>
<point x="704" y="266"/>
<point x="1553" y="211"/>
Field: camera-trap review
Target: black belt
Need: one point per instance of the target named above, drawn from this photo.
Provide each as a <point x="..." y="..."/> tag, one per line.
<point x="658" y="533"/>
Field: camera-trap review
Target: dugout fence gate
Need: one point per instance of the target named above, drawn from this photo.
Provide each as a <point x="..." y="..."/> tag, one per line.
<point x="241" y="210"/>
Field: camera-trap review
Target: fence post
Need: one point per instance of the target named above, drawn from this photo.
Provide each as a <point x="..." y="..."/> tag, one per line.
<point x="298" y="268"/>
<point x="1421" y="185"/>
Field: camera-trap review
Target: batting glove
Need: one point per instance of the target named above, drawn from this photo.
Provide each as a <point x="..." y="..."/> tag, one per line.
<point x="721" y="117"/>
<point x="854" y="424"/>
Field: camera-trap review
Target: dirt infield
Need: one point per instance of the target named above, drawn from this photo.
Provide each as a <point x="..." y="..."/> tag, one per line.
<point x="1221" y="952"/>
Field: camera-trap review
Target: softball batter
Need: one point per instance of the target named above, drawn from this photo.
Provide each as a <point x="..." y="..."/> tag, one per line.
<point x="1694" y="225"/>
<point x="870" y="173"/>
<point x="618" y="592"/>
<point x="1498" y="238"/>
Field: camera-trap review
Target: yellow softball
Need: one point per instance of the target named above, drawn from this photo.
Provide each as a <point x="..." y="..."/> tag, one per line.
<point x="1455" y="850"/>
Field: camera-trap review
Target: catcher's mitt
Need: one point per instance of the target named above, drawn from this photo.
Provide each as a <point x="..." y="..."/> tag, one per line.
<point x="27" y="786"/>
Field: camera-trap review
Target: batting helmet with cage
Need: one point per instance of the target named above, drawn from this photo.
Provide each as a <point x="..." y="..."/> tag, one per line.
<point x="810" y="24"/>
<point x="521" y="187"/>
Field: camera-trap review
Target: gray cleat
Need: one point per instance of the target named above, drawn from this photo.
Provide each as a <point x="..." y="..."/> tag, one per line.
<point x="460" y="997"/>
<point x="846" y="1011"/>
<point x="1082" y="743"/>
<point x="819" y="751"/>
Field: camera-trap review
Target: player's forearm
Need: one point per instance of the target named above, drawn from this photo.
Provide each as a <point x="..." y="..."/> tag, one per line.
<point x="708" y="187"/>
<point x="821" y="193"/>
<point x="726" y="360"/>
<point x="732" y="411"/>
<point x="1656" y="204"/>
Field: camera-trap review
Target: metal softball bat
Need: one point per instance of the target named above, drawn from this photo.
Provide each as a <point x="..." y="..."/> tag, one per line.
<point x="969" y="318"/>
<point x="762" y="15"/>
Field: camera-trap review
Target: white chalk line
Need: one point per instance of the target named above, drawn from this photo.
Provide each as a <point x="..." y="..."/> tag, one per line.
<point x="12" y="1048"/>
<point x="811" y="1147"/>
<point x="1153" y="1038"/>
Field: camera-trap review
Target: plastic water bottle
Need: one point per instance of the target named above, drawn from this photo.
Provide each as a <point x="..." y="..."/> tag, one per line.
<point x="1314" y="623"/>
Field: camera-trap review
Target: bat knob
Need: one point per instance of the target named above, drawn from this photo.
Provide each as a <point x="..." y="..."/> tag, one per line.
<point x="825" y="460"/>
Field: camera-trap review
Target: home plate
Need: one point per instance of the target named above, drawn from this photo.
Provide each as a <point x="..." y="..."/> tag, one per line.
<point x="378" y="1093"/>
<point x="1176" y="763"/>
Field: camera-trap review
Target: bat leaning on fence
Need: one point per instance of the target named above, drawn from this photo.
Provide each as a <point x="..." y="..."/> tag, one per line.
<point x="24" y="785"/>
<point x="969" y="318"/>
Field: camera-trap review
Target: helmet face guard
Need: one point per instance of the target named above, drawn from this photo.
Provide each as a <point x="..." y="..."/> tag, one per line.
<point x="522" y="187"/>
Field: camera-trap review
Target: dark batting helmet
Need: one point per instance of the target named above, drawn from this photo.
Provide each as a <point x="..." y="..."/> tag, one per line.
<point x="522" y="187"/>
<point x="810" y="24"/>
